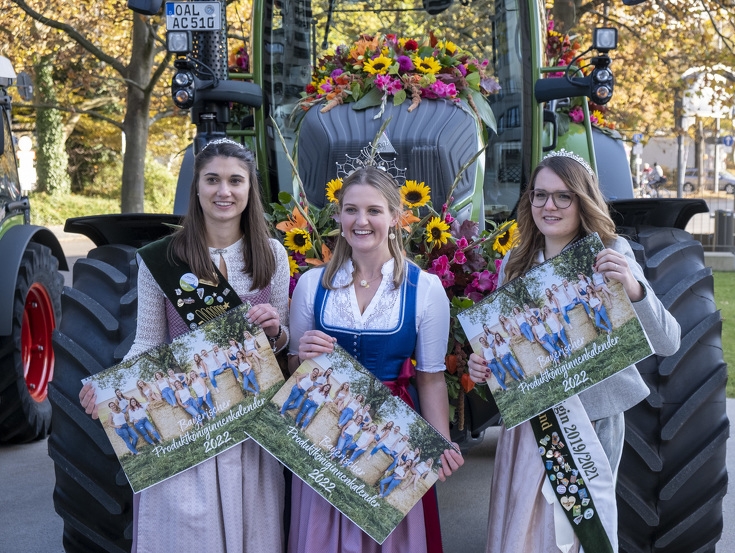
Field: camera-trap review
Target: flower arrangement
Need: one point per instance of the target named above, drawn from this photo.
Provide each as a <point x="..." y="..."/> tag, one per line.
<point x="375" y="68"/>
<point x="560" y="52"/>
<point x="464" y="258"/>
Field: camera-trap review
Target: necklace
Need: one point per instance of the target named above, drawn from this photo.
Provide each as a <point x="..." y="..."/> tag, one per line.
<point x="366" y="283"/>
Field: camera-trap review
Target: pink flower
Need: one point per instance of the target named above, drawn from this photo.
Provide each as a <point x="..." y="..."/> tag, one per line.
<point x="462" y="243"/>
<point x="577" y="115"/>
<point x="394" y="86"/>
<point x="448" y="219"/>
<point x="382" y="81"/>
<point x="462" y="69"/>
<point x="471" y="292"/>
<point x="336" y="73"/>
<point x="459" y="258"/>
<point x="447" y="279"/>
<point x="443" y="90"/>
<point x="440" y="266"/>
<point x="485" y="281"/>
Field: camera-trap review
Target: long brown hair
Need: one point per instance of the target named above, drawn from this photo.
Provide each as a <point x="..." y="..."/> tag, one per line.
<point x="189" y="243"/>
<point x="388" y="188"/>
<point x="593" y="213"/>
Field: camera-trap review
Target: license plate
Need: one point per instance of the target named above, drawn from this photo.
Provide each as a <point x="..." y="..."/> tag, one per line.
<point x="193" y="16"/>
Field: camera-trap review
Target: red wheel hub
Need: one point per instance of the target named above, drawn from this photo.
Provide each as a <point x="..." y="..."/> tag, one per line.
<point x="38" y="356"/>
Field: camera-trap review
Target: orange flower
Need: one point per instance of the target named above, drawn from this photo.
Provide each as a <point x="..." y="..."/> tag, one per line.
<point x="451" y="362"/>
<point x="407" y="218"/>
<point x="326" y="256"/>
<point x="467" y="383"/>
<point x="294" y="221"/>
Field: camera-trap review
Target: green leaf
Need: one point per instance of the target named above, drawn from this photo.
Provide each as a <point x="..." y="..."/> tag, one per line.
<point x="562" y="123"/>
<point x="393" y="69"/>
<point x="483" y="108"/>
<point x="356" y="90"/>
<point x="369" y="100"/>
<point x="399" y="98"/>
<point x="473" y="79"/>
<point x="285" y="197"/>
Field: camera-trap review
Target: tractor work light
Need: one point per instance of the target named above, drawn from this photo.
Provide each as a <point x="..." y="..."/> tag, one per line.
<point x="605" y="39"/>
<point x="183" y="86"/>
<point x="178" y="42"/>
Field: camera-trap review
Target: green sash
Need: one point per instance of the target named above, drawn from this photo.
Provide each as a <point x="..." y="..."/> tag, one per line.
<point x="196" y="301"/>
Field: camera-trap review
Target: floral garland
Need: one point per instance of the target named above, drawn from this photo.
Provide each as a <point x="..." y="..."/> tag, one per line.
<point x="375" y="68"/>
<point x="465" y="259"/>
<point x="560" y="51"/>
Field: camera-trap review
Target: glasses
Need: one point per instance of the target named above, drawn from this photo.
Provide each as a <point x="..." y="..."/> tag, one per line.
<point x="561" y="199"/>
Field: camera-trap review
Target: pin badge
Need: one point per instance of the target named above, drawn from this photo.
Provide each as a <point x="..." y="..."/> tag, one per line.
<point x="588" y="513"/>
<point x="188" y="282"/>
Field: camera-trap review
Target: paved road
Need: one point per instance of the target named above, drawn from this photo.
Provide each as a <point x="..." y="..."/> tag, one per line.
<point x="29" y="524"/>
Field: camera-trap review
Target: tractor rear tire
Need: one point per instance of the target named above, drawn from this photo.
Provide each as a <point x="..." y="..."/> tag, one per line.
<point x="92" y="494"/>
<point x="673" y="476"/>
<point x="26" y="356"/>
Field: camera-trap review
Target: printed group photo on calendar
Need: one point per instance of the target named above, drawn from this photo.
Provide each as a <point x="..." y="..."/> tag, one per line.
<point x="177" y="405"/>
<point x="339" y="429"/>
<point x="554" y="332"/>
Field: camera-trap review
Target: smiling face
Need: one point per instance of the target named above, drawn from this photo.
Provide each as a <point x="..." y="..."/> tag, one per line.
<point x="559" y="225"/>
<point x="223" y="187"/>
<point x="483" y="342"/>
<point x="366" y="220"/>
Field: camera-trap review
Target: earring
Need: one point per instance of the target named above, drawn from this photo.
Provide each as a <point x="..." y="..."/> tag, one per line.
<point x="392" y="235"/>
<point x="342" y="233"/>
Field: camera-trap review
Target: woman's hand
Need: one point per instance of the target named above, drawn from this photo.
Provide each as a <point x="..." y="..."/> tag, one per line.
<point x="313" y="343"/>
<point x="88" y="399"/>
<point x="451" y="460"/>
<point x="266" y="316"/>
<point x="479" y="371"/>
<point x="614" y="265"/>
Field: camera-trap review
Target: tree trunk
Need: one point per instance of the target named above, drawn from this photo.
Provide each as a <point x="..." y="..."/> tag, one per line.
<point x="135" y="125"/>
<point x="51" y="166"/>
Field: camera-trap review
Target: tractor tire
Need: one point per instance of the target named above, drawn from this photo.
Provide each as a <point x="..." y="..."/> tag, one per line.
<point x="673" y="476"/>
<point x="92" y="494"/>
<point x="26" y="356"/>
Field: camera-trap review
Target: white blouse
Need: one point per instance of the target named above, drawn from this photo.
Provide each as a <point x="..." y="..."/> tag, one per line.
<point x="152" y="329"/>
<point x="383" y="312"/>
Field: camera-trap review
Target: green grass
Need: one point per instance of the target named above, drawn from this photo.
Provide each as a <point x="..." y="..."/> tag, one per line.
<point x="725" y="299"/>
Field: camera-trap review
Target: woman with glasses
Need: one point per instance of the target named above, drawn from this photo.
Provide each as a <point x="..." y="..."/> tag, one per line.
<point x="562" y="205"/>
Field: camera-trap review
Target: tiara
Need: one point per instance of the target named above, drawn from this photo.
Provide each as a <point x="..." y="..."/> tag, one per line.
<point x="579" y="159"/>
<point x="370" y="157"/>
<point x="224" y="140"/>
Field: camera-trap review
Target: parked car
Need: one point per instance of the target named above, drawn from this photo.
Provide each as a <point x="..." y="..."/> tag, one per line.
<point x="727" y="181"/>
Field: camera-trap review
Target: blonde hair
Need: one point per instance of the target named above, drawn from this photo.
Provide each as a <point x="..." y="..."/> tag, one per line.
<point x="593" y="213"/>
<point x="388" y="188"/>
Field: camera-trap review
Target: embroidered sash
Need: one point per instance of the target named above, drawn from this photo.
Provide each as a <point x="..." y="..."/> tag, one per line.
<point x="196" y="301"/>
<point x="579" y="479"/>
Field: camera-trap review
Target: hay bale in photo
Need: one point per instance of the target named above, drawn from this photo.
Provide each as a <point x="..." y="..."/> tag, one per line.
<point x="372" y="469"/>
<point x="527" y="354"/>
<point x="404" y="499"/>
<point x="324" y="424"/>
<point x="118" y="444"/>
<point x="267" y="372"/>
<point x="584" y="328"/>
<point x="230" y="390"/>
<point x="621" y="311"/>
<point x="166" y="419"/>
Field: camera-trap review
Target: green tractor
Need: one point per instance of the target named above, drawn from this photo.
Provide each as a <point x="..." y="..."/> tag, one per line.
<point x="666" y="502"/>
<point x="30" y="303"/>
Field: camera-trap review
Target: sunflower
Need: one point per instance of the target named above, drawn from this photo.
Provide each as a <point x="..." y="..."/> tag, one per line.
<point x="437" y="231"/>
<point x="414" y="194"/>
<point x="380" y="65"/>
<point x="298" y="240"/>
<point x="292" y="266"/>
<point x="332" y="187"/>
<point x="506" y="241"/>
<point x="427" y="64"/>
<point x="448" y="46"/>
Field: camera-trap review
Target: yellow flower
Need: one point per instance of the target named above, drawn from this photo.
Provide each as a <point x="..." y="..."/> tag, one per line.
<point x="298" y="240"/>
<point x="426" y="64"/>
<point x="507" y="239"/>
<point x="332" y="187"/>
<point x="414" y="194"/>
<point x="437" y="231"/>
<point x="381" y="64"/>
<point x="449" y="47"/>
<point x="599" y="116"/>
<point x="292" y="265"/>
<point x="325" y="81"/>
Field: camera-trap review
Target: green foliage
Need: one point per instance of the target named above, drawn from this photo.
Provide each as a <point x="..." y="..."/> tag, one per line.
<point x="48" y="210"/>
<point x="725" y="299"/>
